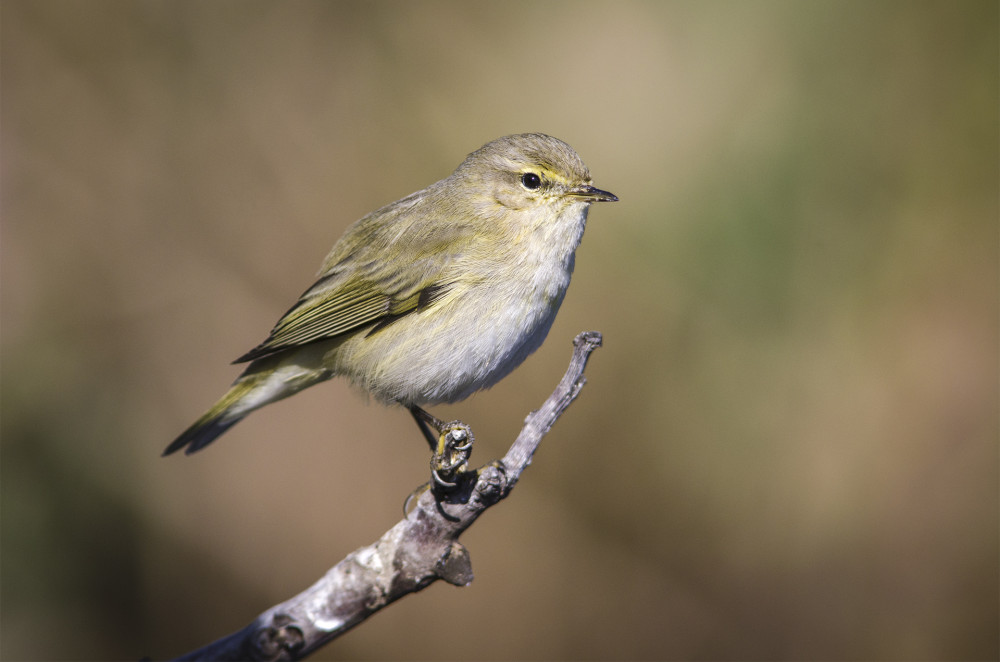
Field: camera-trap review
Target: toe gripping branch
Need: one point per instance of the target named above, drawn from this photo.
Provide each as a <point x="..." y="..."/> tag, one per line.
<point x="451" y="447"/>
<point x="451" y="455"/>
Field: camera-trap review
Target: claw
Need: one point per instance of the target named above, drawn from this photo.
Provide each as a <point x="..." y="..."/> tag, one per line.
<point x="461" y="435"/>
<point x="441" y="481"/>
<point x="415" y="494"/>
<point x="450" y="448"/>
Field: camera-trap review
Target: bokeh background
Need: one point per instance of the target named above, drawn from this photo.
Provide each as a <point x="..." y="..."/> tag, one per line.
<point x="787" y="448"/>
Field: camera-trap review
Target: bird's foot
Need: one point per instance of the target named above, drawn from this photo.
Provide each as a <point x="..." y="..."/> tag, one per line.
<point x="451" y="455"/>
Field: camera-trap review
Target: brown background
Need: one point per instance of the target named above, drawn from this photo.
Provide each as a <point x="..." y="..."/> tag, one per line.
<point x="788" y="445"/>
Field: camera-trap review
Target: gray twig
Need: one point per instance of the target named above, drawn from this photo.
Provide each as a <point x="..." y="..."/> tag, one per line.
<point x="420" y="549"/>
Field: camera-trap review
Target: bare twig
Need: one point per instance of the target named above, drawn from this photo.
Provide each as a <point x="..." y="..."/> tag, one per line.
<point x="420" y="549"/>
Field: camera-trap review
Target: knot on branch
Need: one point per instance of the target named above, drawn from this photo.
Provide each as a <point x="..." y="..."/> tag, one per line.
<point x="491" y="486"/>
<point x="281" y="640"/>
<point x="455" y="566"/>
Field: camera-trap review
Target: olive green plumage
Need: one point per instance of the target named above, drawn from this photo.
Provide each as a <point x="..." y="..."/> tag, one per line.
<point x="432" y="297"/>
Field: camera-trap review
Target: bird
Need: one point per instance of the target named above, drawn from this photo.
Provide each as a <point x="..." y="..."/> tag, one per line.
<point x="433" y="297"/>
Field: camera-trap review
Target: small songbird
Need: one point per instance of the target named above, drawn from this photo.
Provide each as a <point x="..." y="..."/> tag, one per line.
<point x="433" y="297"/>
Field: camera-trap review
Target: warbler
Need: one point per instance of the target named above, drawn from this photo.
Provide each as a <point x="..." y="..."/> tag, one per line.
<point x="433" y="297"/>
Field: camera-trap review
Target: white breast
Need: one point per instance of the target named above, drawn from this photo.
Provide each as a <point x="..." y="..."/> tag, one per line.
<point x="477" y="334"/>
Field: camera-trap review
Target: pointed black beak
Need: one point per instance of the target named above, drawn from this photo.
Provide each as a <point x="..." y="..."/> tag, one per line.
<point x="591" y="194"/>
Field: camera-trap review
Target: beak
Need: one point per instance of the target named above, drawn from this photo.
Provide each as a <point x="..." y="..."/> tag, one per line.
<point x="590" y="194"/>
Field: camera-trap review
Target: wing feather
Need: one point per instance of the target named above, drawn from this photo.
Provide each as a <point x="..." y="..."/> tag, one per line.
<point x="324" y="314"/>
<point x="357" y="288"/>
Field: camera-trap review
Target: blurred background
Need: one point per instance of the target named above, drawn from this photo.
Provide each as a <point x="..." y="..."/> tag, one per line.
<point x="787" y="447"/>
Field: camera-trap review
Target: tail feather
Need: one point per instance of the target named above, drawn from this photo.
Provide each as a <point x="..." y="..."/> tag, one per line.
<point x="200" y="434"/>
<point x="227" y="412"/>
<point x="264" y="381"/>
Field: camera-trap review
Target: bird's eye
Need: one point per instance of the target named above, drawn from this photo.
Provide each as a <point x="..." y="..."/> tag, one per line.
<point x="531" y="181"/>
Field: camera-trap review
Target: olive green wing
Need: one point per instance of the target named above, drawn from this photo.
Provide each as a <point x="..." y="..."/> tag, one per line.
<point x="359" y="287"/>
<point x="323" y="313"/>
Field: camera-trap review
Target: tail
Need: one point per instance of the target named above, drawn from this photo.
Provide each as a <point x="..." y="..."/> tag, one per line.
<point x="199" y="435"/>
<point x="265" y="381"/>
<point x="226" y="413"/>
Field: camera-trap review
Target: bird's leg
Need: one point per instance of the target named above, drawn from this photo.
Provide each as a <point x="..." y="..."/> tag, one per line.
<point x="425" y="422"/>
<point x="451" y="447"/>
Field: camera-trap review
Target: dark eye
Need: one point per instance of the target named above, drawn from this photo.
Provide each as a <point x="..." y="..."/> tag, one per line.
<point x="531" y="181"/>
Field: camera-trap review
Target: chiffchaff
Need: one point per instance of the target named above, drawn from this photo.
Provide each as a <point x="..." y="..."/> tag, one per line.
<point x="435" y="296"/>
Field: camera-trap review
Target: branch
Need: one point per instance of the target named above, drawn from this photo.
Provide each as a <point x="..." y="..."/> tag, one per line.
<point x="417" y="551"/>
